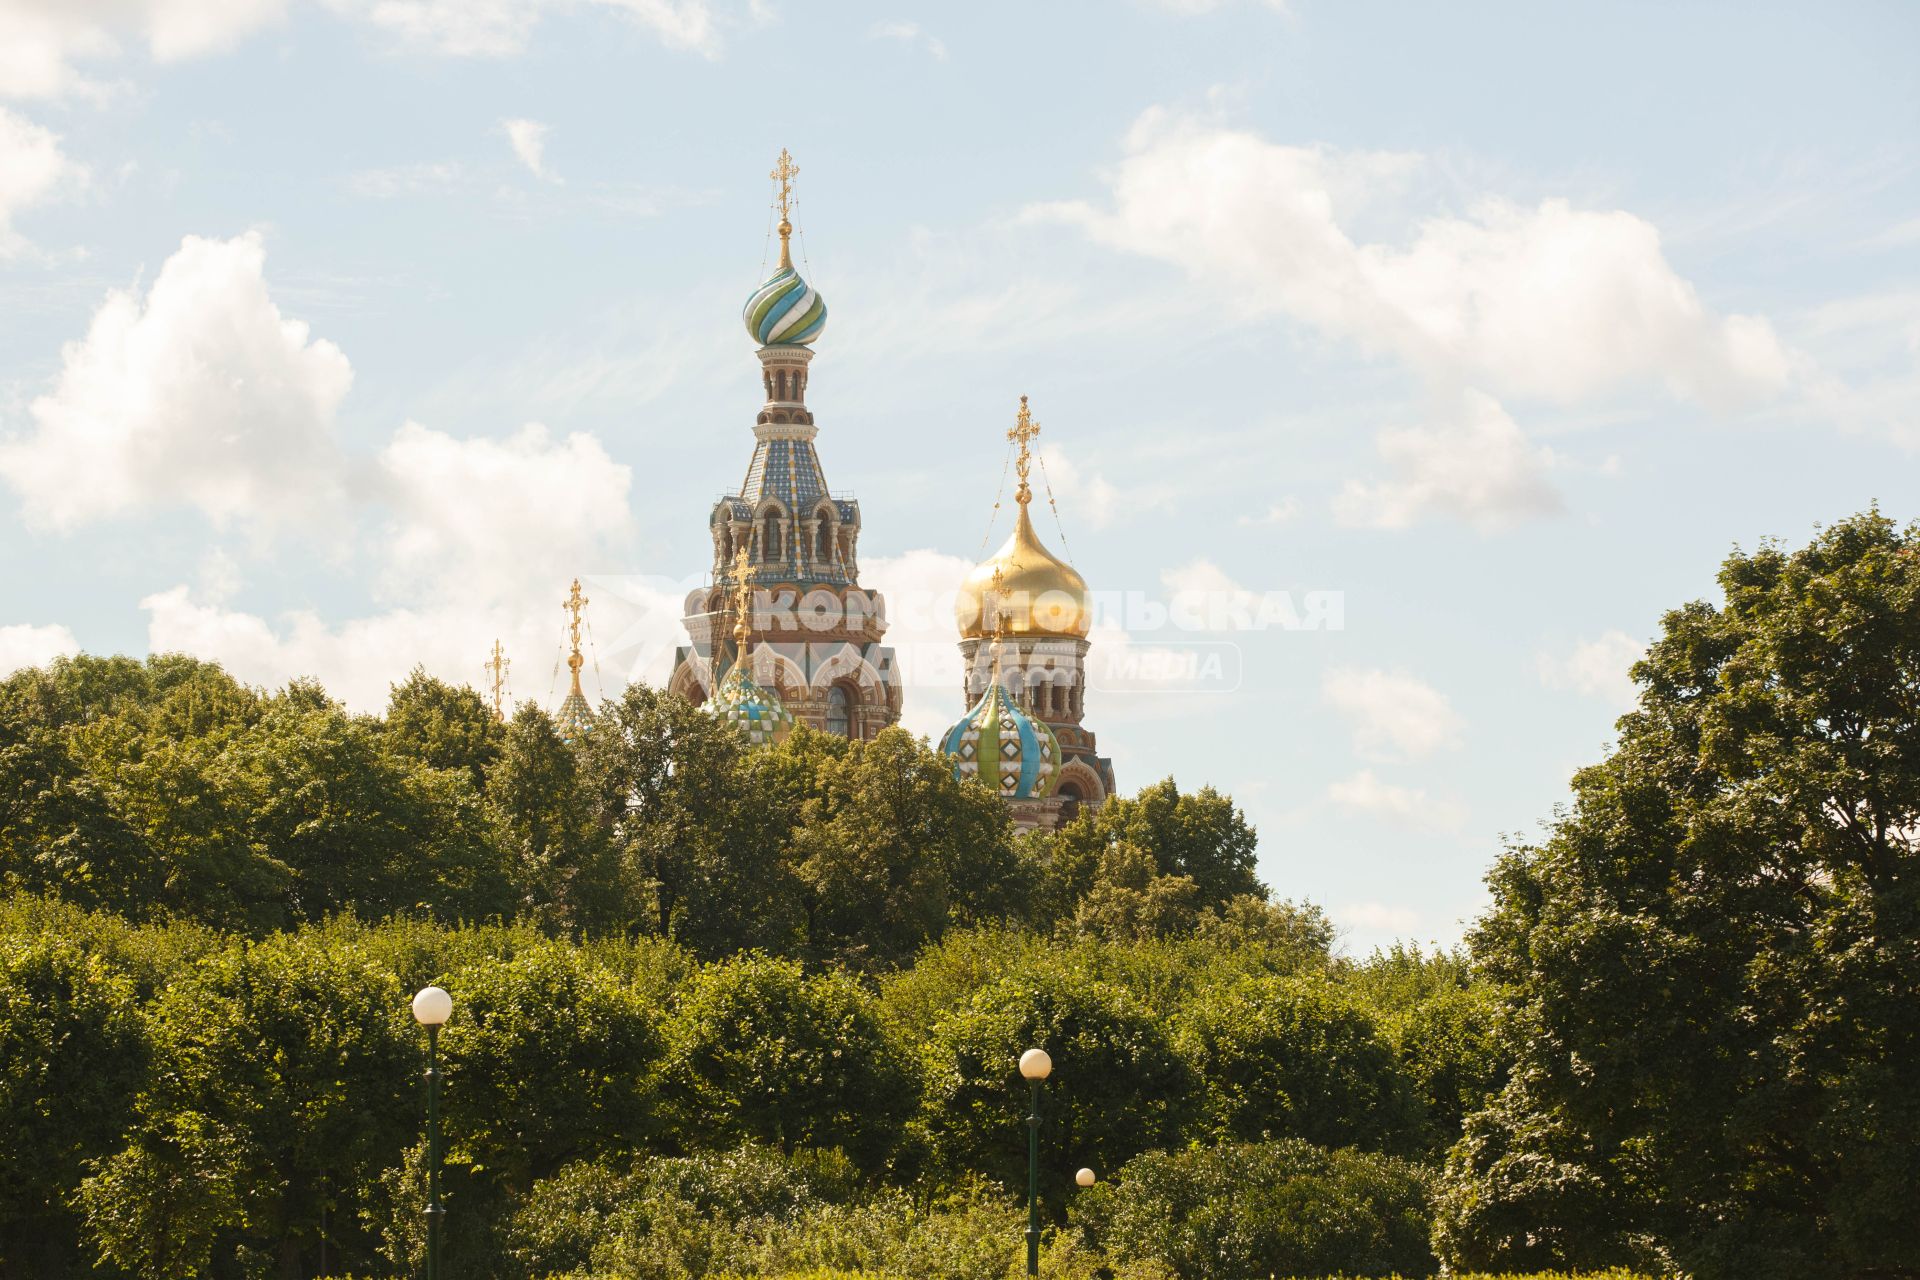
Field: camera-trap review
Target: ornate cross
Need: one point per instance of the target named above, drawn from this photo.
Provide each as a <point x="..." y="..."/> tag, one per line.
<point x="742" y="599"/>
<point x="784" y="172"/>
<point x="496" y="667"/>
<point x="1022" y="432"/>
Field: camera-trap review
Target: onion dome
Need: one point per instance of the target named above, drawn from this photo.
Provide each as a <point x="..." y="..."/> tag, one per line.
<point x="786" y="311"/>
<point x="1041" y="594"/>
<point x="1005" y="747"/>
<point x="757" y="711"/>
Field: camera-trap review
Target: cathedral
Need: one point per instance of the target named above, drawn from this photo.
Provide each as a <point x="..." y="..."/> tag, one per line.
<point x="785" y="634"/>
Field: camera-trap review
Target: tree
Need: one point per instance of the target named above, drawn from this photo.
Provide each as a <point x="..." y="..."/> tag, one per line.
<point x="1201" y="836"/>
<point x="699" y="855"/>
<point x="1129" y="901"/>
<point x="760" y="1052"/>
<point x="1714" y="957"/>
<point x="543" y="820"/>
<point x="1294" y="1057"/>
<point x="550" y="1057"/>
<point x="284" y="1084"/>
<point x="892" y="848"/>
<point x="72" y="1055"/>
<point x="59" y="833"/>
<point x="443" y="726"/>
<point x="1118" y="1087"/>
<point x="1250" y="1211"/>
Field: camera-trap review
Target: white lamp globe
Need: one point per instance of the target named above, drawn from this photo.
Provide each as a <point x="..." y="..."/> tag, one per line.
<point x="1035" y="1064"/>
<point x="1085" y="1177"/>
<point x="432" y="1007"/>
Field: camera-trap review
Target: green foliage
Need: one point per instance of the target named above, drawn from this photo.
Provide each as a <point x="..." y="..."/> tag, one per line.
<point x="1294" y="1057"/>
<point x="1129" y="1089"/>
<point x="1714" y="981"/>
<point x="759" y="1051"/>
<point x="281" y="1090"/>
<point x="1201" y="837"/>
<point x="72" y="1053"/>
<point x="1251" y="1211"/>
<point x="443" y="726"/>
<point x="551" y="1058"/>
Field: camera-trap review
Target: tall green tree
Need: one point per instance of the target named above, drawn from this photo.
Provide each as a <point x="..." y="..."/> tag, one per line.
<point x="72" y="1055"/>
<point x="543" y="820"/>
<point x="1714" y="958"/>
<point x="759" y="1051"/>
<point x="284" y="1083"/>
<point x="443" y="726"/>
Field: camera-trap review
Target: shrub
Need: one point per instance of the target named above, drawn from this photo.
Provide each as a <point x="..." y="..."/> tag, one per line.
<point x="1255" y="1210"/>
<point x="760" y="1052"/>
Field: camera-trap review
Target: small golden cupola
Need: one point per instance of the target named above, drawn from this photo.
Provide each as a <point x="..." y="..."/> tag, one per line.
<point x="1040" y="594"/>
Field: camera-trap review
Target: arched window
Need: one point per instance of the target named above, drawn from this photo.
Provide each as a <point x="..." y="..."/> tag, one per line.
<point x="839" y="712"/>
<point x="824" y="549"/>
<point x="1069" y="801"/>
<point x="770" y="540"/>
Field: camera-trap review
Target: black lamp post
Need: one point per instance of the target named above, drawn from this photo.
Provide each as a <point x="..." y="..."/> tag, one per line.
<point x="431" y="1009"/>
<point x="1035" y="1065"/>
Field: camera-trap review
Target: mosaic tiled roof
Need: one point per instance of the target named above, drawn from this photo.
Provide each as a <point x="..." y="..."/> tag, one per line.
<point x="1005" y="747"/>
<point x="756" y="711"/>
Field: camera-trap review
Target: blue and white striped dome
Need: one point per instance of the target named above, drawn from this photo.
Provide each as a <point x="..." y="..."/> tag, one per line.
<point x="1006" y="748"/>
<point x="786" y="311"/>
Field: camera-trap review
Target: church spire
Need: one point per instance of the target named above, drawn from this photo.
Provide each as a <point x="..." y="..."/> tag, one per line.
<point x="784" y="172"/>
<point x="575" y="712"/>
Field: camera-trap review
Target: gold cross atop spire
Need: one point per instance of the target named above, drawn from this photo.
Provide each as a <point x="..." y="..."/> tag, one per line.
<point x="1022" y="432"/>
<point x="742" y="603"/>
<point x="784" y="172"/>
<point x="574" y="603"/>
<point x="996" y="605"/>
<point x="496" y="669"/>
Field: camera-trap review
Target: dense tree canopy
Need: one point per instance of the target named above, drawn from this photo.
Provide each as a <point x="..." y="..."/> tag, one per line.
<point x="1714" y="958"/>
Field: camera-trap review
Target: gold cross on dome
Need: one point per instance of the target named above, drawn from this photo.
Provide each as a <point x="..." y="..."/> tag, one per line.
<point x="784" y="172"/>
<point x="1022" y="432"/>
<point x="742" y="598"/>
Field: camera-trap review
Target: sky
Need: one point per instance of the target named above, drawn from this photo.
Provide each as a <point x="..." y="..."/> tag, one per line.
<point x="1398" y="366"/>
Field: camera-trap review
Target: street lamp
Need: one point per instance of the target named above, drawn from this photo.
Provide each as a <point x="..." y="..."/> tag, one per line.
<point x="431" y="1008"/>
<point x="1035" y="1065"/>
<point x="1086" y="1177"/>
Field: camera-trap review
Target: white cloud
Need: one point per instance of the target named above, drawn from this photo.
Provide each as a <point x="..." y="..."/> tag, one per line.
<point x="528" y="138"/>
<point x="406" y="179"/>
<point x="482" y="540"/>
<point x="1282" y="512"/>
<point x="1379" y="917"/>
<point x="1598" y="668"/>
<point x="1480" y="468"/>
<point x="201" y="394"/>
<point x="920" y="587"/>
<point x="1393" y="714"/>
<point x="1543" y="300"/>
<point x="1088" y="495"/>
<point x="44" y="43"/>
<point x="498" y="517"/>
<point x="499" y="28"/>
<point x="32" y="170"/>
<point x="909" y="33"/>
<point x="1405" y="806"/>
<point x="24" y="645"/>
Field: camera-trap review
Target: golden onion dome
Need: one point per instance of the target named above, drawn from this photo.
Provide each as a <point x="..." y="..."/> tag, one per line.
<point x="1040" y="594"/>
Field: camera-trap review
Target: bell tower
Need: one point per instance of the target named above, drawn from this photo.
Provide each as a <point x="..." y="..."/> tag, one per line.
<point x="816" y="632"/>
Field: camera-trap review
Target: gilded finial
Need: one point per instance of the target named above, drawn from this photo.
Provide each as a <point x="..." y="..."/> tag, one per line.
<point x="784" y="172"/>
<point x="1022" y="432"/>
<point x="995" y="603"/>
<point x="496" y="669"/>
<point x="574" y="603"/>
<point x="742" y="604"/>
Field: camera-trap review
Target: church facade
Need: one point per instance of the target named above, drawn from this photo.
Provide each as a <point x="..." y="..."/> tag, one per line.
<point x="785" y="633"/>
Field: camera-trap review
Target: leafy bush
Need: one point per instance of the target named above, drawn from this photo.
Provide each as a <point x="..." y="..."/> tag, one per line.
<point x="1248" y="1211"/>
<point x="759" y="1051"/>
<point x="1118" y="1087"/>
